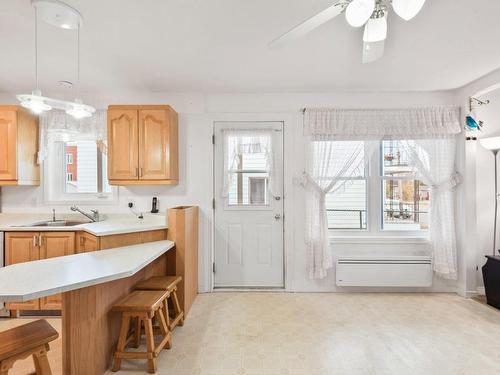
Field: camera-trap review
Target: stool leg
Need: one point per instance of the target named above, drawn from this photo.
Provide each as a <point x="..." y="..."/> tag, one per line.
<point x="164" y="328"/>
<point x="165" y="309"/>
<point x="41" y="361"/>
<point x="177" y="308"/>
<point x="5" y="366"/>
<point x="138" y="331"/>
<point x="122" y="340"/>
<point x="150" y="343"/>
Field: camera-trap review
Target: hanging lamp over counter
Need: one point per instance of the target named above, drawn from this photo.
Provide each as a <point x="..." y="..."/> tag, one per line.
<point x="58" y="14"/>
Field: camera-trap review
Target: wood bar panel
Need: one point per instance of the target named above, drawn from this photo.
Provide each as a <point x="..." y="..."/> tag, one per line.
<point x="183" y="230"/>
<point x="90" y="329"/>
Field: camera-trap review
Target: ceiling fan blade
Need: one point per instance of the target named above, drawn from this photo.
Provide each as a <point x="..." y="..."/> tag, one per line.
<point x="373" y="51"/>
<point x="310" y="24"/>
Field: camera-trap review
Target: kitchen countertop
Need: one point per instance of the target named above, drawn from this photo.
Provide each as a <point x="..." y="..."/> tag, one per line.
<point x="41" y="278"/>
<point x="114" y="224"/>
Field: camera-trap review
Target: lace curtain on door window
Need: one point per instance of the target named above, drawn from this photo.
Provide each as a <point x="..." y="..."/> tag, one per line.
<point x="239" y="142"/>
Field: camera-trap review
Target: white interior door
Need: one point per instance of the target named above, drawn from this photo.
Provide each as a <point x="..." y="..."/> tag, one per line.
<point x="248" y="205"/>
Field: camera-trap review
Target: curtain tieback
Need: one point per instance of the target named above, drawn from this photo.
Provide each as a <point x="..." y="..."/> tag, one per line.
<point x="454" y="180"/>
<point x="308" y="181"/>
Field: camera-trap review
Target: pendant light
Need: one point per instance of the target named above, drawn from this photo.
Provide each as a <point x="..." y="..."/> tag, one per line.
<point x="78" y="110"/>
<point x="358" y="12"/>
<point x="407" y="9"/>
<point x="61" y="15"/>
<point x="35" y="102"/>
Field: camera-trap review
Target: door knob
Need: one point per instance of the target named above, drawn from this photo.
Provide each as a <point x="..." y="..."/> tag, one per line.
<point x="277" y="216"/>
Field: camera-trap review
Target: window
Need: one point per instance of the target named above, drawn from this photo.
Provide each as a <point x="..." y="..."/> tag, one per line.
<point x="405" y="198"/>
<point x="393" y="200"/>
<point x="76" y="171"/>
<point x="346" y="204"/>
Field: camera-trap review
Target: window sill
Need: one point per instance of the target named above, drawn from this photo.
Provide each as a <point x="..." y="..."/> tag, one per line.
<point x="378" y="240"/>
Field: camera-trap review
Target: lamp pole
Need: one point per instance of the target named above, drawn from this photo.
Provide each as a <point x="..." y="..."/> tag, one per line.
<point x="495" y="152"/>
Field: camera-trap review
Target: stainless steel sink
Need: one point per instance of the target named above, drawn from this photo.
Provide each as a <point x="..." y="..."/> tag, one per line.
<point x="57" y="223"/>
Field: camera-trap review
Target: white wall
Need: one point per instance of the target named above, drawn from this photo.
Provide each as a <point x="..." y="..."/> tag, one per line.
<point x="197" y="114"/>
<point x="475" y="233"/>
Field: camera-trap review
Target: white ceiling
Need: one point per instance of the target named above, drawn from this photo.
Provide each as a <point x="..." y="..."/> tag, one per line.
<point x="221" y="46"/>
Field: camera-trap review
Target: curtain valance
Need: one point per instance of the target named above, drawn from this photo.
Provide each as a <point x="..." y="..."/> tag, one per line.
<point x="57" y="126"/>
<point x="426" y="122"/>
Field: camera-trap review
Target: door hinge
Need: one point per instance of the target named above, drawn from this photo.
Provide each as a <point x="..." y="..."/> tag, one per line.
<point x="213" y="203"/>
<point x="213" y="267"/>
<point x="213" y="139"/>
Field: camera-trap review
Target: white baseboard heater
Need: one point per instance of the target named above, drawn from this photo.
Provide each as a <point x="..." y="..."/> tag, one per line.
<point x="384" y="271"/>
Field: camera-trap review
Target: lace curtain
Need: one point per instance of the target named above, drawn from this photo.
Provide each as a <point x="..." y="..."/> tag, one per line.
<point x="433" y="127"/>
<point x="239" y="142"/>
<point x="435" y="162"/>
<point x="56" y="126"/>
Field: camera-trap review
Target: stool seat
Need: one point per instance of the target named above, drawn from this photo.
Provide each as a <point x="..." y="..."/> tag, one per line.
<point x="140" y="307"/>
<point x="141" y="301"/>
<point x="29" y="339"/>
<point x="168" y="284"/>
<point x="159" y="283"/>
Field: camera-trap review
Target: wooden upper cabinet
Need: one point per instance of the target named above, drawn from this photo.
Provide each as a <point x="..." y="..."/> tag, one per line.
<point x="142" y="150"/>
<point x="123" y="146"/>
<point x="18" y="147"/>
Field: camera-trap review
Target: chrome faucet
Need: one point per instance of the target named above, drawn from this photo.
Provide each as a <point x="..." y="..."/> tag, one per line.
<point x="94" y="216"/>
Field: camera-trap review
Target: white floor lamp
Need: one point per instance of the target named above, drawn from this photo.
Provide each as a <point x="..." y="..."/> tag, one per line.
<point x="493" y="144"/>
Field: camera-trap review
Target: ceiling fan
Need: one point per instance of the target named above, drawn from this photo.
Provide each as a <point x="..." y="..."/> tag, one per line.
<point x="370" y="13"/>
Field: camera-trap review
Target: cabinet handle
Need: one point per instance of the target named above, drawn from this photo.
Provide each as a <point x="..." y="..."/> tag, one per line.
<point x="40" y="241"/>
<point x="35" y="241"/>
<point x="140" y="172"/>
<point x="137" y="172"/>
<point x="82" y="241"/>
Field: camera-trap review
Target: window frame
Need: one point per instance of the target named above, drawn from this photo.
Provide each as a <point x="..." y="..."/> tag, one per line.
<point x="374" y="202"/>
<point x="54" y="177"/>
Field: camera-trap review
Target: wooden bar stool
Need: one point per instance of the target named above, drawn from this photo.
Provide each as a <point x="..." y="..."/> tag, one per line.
<point x="29" y="339"/>
<point x="169" y="284"/>
<point x="142" y="306"/>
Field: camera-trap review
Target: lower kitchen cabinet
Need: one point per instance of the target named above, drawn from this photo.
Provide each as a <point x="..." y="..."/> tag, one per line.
<point x="55" y="244"/>
<point x="28" y="246"/>
<point x="22" y="247"/>
<point x="86" y="242"/>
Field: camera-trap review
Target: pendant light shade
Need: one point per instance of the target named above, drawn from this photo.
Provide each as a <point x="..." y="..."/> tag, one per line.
<point x="358" y="12"/>
<point x="79" y="110"/>
<point x="407" y="9"/>
<point x="34" y="102"/>
<point x="375" y="30"/>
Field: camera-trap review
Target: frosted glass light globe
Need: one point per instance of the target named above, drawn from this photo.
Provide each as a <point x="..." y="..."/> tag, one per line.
<point x="358" y="12"/>
<point x="407" y="9"/>
<point x="375" y="30"/>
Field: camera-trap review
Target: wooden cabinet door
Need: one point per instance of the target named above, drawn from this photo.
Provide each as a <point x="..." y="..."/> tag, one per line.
<point x="22" y="247"/>
<point x="123" y="146"/>
<point x="8" y="145"/>
<point x="55" y="244"/>
<point x="154" y="144"/>
<point x="86" y="242"/>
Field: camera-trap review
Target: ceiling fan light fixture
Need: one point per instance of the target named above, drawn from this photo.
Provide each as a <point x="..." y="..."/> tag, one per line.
<point x="407" y="9"/>
<point x="375" y="30"/>
<point x="358" y="12"/>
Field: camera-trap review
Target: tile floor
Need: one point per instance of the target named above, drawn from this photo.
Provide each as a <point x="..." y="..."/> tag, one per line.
<point x="368" y="334"/>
